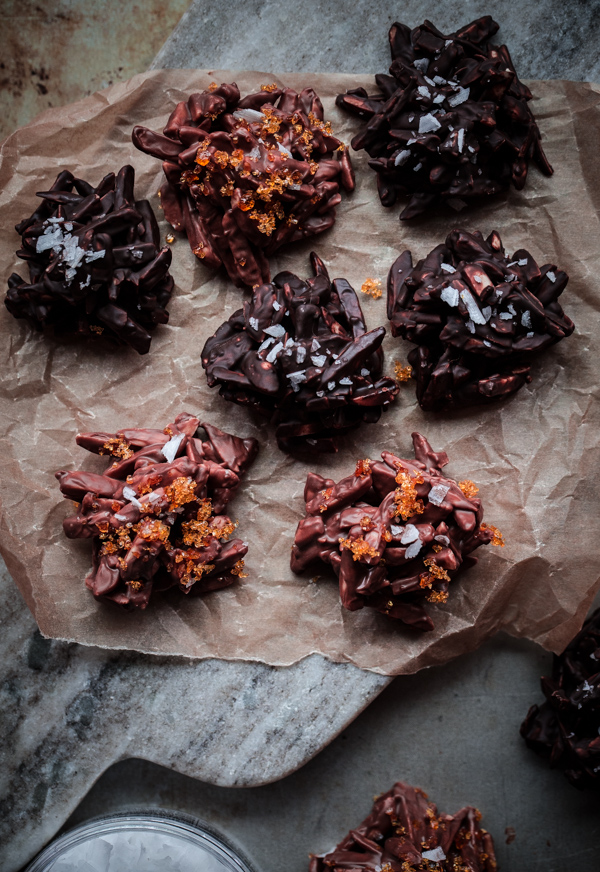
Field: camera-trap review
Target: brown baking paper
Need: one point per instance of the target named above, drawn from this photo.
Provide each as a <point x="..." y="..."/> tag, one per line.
<point x="535" y="457"/>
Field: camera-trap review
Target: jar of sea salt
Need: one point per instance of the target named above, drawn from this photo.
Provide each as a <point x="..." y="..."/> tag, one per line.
<point x="141" y="842"/>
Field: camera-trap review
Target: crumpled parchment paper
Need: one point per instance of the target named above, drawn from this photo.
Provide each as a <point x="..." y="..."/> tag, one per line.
<point x="535" y="458"/>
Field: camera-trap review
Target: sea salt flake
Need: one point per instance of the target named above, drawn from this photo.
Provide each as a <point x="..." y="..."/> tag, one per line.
<point x="505" y="316"/>
<point x="448" y="268"/>
<point x="365" y="373"/>
<point x="330" y="385"/>
<point x="253" y="323"/>
<point x="450" y="296"/>
<point x="97" y="255"/>
<point x="487" y="344"/>
<point x="318" y="359"/>
<point x="435" y="854"/>
<point x="551" y="276"/>
<point x="439" y="98"/>
<point x="522" y="262"/>
<point x="272" y="355"/>
<point x="87" y="282"/>
<point x="423" y="91"/>
<point x="437" y="494"/>
<point x="172" y="447"/>
<point x="345" y="381"/>
<point x="120" y="517"/>
<point x="249" y="115"/>
<point x="529" y="335"/>
<point x="301" y="354"/>
<point x="320" y="393"/>
<point x="472" y="307"/>
<point x="441" y="538"/>
<point x="265" y="344"/>
<point x="461" y="96"/>
<point x="487" y="312"/>
<point x="470" y="326"/>
<point x="438" y="80"/>
<point x="153" y="497"/>
<point x="586" y="686"/>
<point x="56" y="221"/>
<point x="276" y="305"/>
<point x="428" y="123"/>
<point x="275" y="330"/>
<point x="315" y="345"/>
<point x="396" y="531"/>
<point x="512" y="309"/>
<point x="411" y="534"/>
<point x="289" y="343"/>
<point x="421" y="64"/>
<point x="460" y="139"/>
<point x="413" y="550"/>
<point x="401" y="158"/>
<point x="526" y="319"/>
<point x="417" y="167"/>
<point x="129" y="494"/>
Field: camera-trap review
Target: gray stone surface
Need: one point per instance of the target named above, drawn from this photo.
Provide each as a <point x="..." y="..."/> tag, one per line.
<point x="549" y="39"/>
<point x="453" y="730"/>
<point x="68" y="712"/>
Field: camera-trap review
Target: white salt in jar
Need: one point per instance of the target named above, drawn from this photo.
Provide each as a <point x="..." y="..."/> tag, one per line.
<point x="141" y="842"/>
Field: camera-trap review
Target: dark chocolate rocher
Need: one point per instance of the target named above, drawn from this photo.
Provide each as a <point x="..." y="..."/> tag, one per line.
<point x="565" y="729"/>
<point x="299" y="353"/>
<point x="452" y="122"/>
<point x="396" y="533"/>
<point x="156" y="517"/>
<point x="477" y="317"/>
<point x="405" y="833"/>
<point x="246" y="175"/>
<point x="95" y="263"/>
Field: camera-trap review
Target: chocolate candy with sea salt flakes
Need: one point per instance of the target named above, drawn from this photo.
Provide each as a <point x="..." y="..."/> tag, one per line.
<point x="477" y="317"/>
<point x="405" y="833"/>
<point x="299" y="353"/>
<point x="395" y="532"/>
<point x="245" y="176"/>
<point x="566" y="728"/>
<point x="95" y="263"/>
<point x="157" y="517"/>
<point x="452" y="121"/>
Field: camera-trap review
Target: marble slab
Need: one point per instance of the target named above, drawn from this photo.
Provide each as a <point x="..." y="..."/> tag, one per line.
<point x="68" y="712"/>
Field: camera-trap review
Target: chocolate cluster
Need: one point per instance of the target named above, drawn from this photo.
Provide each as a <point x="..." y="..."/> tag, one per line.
<point x="452" y="121"/>
<point x="566" y="728"/>
<point x="395" y="533"/>
<point x="245" y="176"/>
<point x="95" y="263"/>
<point x="299" y="352"/>
<point x="476" y="316"/>
<point x="156" y="517"/>
<point x="406" y="833"/>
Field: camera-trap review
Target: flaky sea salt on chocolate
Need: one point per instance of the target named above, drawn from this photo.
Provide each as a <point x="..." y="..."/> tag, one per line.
<point x="245" y="176"/>
<point x="406" y="833"/>
<point x="452" y="122"/>
<point x="300" y="354"/>
<point x="95" y="263"/>
<point x="156" y="517"/>
<point x="565" y="729"/>
<point x="396" y="533"/>
<point x="477" y="317"/>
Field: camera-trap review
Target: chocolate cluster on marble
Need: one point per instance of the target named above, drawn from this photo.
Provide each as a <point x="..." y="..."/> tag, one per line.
<point x="452" y="121"/>
<point x="405" y="833"/>
<point x="95" y="263"/>
<point x="394" y="532"/>
<point x="477" y="317"/>
<point x="565" y="729"/>
<point x="299" y="353"/>
<point x="246" y="175"/>
<point x="156" y="517"/>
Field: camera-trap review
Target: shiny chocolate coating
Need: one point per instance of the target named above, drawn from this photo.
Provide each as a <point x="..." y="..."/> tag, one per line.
<point x="452" y="121"/>
<point x="245" y="176"/>
<point x="478" y="318"/>
<point x="395" y="533"/>
<point x="405" y="832"/>
<point x="95" y="263"/>
<point x="565" y="729"/>
<point x="299" y="353"/>
<point x="156" y="517"/>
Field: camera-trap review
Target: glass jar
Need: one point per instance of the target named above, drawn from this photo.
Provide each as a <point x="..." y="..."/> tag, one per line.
<point x="142" y="841"/>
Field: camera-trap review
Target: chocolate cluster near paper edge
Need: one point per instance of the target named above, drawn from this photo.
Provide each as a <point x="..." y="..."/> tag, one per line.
<point x="394" y="532"/>
<point x="299" y="352"/>
<point x="405" y="833"/>
<point x="566" y="728"/>
<point x="452" y="121"/>
<point x="95" y="263"/>
<point x="156" y="517"/>
<point x="245" y="176"/>
<point x="477" y="318"/>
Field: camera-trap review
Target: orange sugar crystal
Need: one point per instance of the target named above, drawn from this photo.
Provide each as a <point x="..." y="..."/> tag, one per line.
<point x="372" y="287"/>
<point x="469" y="488"/>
